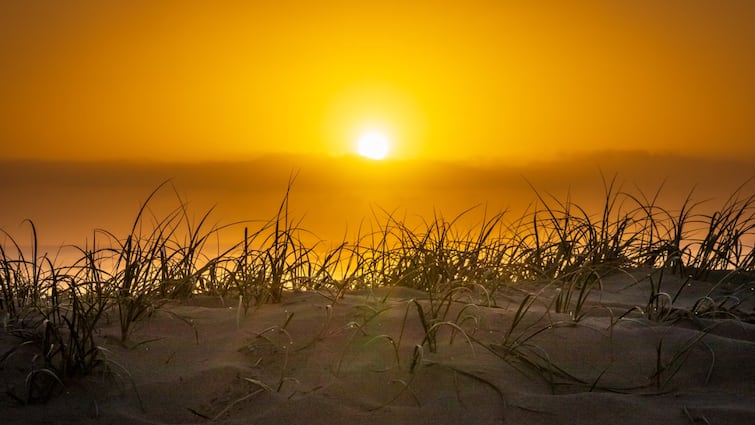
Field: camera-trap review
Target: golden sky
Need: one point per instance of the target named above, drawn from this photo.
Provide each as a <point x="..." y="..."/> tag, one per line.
<point x="194" y="80"/>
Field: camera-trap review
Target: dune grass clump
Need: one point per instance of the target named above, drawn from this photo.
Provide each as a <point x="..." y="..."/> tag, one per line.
<point x="435" y="257"/>
<point x="273" y="259"/>
<point x="54" y="309"/>
<point x="723" y="246"/>
<point x="58" y="308"/>
<point x="157" y="261"/>
<point x="565" y="238"/>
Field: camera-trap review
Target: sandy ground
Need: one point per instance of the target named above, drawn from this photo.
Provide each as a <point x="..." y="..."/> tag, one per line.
<point x="315" y="360"/>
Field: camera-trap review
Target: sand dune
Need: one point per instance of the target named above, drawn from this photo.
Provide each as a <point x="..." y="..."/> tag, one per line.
<point x="317" y="360"/>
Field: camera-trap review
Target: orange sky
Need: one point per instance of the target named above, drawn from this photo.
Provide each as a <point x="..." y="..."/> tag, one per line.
<point x="190" y="80"/>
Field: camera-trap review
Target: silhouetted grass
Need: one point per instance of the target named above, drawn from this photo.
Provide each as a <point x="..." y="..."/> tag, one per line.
<point x="569" y="249"/>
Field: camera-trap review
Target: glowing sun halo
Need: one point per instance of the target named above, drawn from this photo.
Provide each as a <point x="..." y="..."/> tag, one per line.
<point x="373" y="145"/>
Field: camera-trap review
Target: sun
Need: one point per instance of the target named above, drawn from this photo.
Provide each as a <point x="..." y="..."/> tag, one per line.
<point x="373" y="145"/>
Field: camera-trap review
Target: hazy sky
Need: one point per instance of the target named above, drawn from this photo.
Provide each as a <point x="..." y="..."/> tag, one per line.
<point x="192" y="80"/>
<point x="333" y="197"/>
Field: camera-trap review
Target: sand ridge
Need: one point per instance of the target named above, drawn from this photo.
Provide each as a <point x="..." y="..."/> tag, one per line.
<point x="315" y="359"/>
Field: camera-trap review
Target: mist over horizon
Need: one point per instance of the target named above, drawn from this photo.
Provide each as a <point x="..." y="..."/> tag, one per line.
<point x="332" y="197"/>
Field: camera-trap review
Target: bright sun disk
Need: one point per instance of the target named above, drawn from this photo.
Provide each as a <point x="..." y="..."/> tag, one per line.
<point x="373" y="145"/>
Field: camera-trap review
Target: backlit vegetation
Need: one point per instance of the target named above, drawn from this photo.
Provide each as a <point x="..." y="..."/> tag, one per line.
<point x="555" y="256"/>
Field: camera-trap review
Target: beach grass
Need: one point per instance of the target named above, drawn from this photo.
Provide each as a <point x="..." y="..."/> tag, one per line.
<point x="554" y="257"/>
